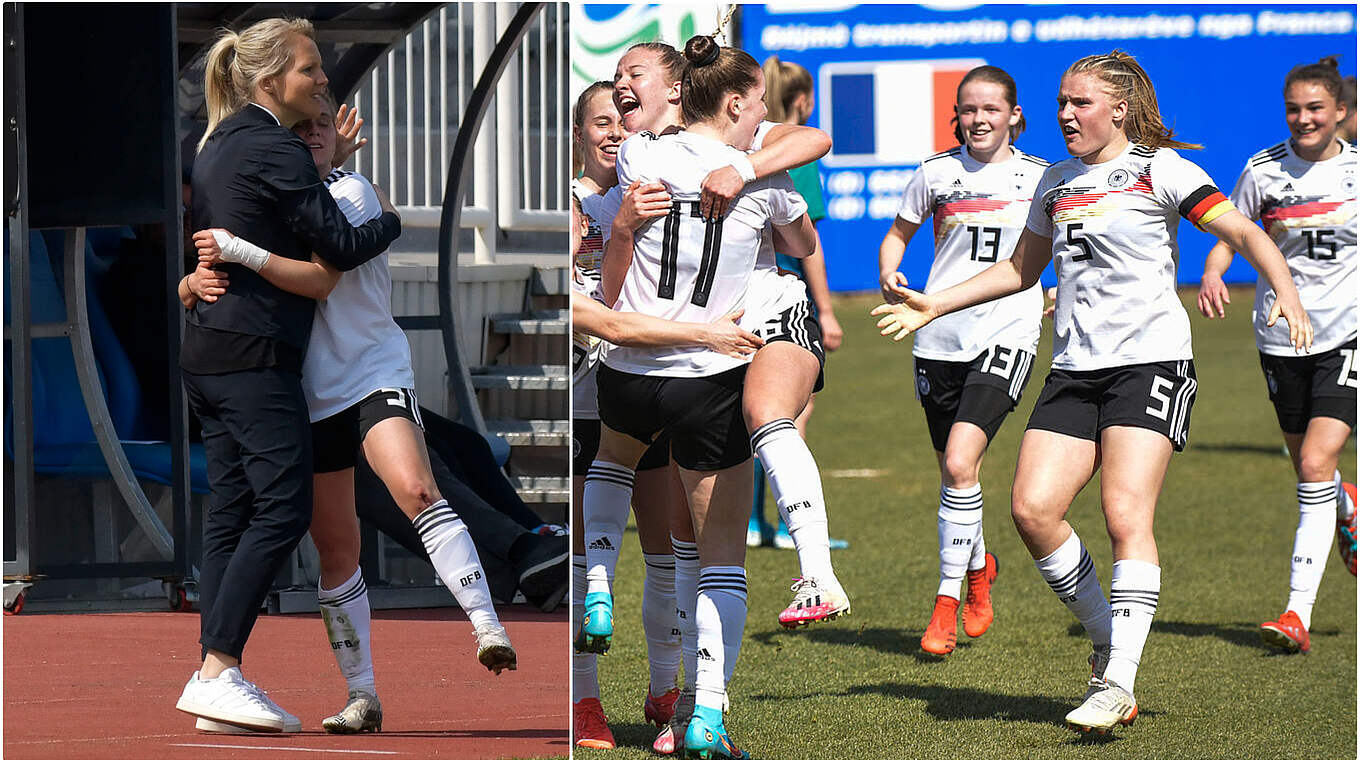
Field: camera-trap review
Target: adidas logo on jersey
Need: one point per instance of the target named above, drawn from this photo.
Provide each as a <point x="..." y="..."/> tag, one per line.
<point x="957" y="183"/>
<point x="704" y="655"/>
<point x="601" y="544"/>
<point x="1288" y="187"/>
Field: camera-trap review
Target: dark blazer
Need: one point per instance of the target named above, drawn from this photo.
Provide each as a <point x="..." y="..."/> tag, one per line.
<point x="257" y="180"/>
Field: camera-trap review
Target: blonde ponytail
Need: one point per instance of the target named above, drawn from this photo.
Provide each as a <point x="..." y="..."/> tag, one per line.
<point x="237" y="62"/>
<point x="1125" y="80"/>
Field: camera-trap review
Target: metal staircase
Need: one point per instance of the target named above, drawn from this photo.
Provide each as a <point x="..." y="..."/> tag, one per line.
<point x="521" y="388"/>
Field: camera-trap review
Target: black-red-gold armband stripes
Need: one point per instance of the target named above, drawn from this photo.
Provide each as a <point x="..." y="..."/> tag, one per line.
<point x="1204" y="205"/>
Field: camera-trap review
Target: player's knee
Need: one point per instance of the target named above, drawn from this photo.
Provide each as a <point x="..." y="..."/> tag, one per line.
<point x="1028" y="512"/>
<point x="1315" y="467"/>
<point x="758" y="412"/>
<point x="960" y="470"/>
<point x="415" y="492"/>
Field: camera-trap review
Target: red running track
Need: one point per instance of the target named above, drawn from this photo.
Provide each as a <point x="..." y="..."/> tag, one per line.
<point x="104" y="686"/>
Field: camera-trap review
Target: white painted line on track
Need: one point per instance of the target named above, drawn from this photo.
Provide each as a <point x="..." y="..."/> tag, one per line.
<point x="855" y="473"/>
<point x="292" y="749"/>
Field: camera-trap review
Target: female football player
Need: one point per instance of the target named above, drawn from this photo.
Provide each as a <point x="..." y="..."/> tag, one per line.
<point x="697" y="263"/>
<point x="1303" y="192"/>
<point x="971" y="366"/>
<point x="1118" y="397"/>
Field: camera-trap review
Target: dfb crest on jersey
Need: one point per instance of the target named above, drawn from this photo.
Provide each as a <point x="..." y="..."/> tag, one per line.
<point x="1120" y="177"/>
<point x="1348" y="183"/>
<point x="922" y="384"/>
<point x="1271" y="383"/>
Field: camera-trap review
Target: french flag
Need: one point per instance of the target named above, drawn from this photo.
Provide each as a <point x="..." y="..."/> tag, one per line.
<point x="890" y="113"/>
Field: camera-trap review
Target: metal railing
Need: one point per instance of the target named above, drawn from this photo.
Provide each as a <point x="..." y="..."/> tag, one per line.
<point x="415" y="98"/>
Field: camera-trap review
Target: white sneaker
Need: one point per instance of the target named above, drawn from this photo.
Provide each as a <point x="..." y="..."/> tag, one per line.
<point x="230" y="698"/>
<point x="494" y="649"/>
<point x="291" y="723"/>
<point x="218" y="727"/>
<point x="1108" y="707"/>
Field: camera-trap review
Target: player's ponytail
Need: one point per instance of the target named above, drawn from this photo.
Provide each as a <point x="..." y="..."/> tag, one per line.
<point x="1325" y="72"/>
<point x="236" y="63"/>
<point x="713" y="71"/>
<point x="1125" y="80"/>
<point x="995" y="76"/>
<point x="784" y="82"/>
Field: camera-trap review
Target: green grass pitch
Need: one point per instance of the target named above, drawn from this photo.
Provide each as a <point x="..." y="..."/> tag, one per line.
<point x="860" y="687"/>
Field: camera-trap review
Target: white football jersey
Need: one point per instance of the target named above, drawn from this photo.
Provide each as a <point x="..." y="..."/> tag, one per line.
<point x="687" y="268"/>
<point x="979" y="211"/>
<point x="1113" y="227"/>
<point x="1308" y="209"/>
<point x="356" y="346"/>
<point x="770" y="292"/>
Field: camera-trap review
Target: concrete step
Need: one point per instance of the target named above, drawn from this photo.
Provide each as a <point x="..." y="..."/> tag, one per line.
<point x="540" y="489"/>
<point x="547" y="322"/>
<point x="543" y="377"/>
<point x="531" y="432"/>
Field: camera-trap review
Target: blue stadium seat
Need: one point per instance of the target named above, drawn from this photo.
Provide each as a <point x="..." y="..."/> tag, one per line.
<point x="64" y="442"/>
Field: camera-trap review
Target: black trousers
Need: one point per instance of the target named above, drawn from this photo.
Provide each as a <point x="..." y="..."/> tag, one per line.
<point x="258" y="445"/>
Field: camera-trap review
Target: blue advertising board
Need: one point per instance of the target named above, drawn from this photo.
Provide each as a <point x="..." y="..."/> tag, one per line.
<point x="886" y="74"/>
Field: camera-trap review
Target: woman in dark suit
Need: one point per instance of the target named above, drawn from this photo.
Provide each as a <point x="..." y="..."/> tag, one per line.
<point x="242" y="353"/>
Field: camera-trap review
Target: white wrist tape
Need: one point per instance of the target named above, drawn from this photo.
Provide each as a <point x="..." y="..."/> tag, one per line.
<point x="238" y="250"/>
<point x="744" y="167"/>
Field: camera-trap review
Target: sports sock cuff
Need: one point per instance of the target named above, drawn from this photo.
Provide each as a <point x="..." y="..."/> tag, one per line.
<point x="723" y="578"/>
<point x="961" y="506"/>
<point x="773" y="431"/>
<point x="1135" y="585"/>
<point x="610" y="472"/>
<point x="685" y="551"/>
<point x="1067" y="553"/>
<point x="659" y="561"/>
<point x="1316" y="497"/>
<point x="347" y="591"/>
<point x="432" y="519"/>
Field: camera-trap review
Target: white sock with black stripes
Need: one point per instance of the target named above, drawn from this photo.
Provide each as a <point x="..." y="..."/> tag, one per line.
<point x="1134" y="588"/>
<point x="797" y="487"/>
<point x="1072" y="576"/>
<point x="1312" y="543"/>
<point x="979" y="559"/>
<point x="721" y="620"/>
<point x="345" y="611"/>
<point x="659" y="623"/>
<point x="686" y="599"/>
<point x="454" y="557"/>
<point x="604" y="505"/>
<point x="1344" y="506"/>
<point x="959" y="526"/>
<point x="584" y="679"/>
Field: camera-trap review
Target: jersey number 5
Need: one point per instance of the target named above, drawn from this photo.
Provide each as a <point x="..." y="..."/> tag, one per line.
<point x="670" y="252"/>
<point x="1080" y="242"/>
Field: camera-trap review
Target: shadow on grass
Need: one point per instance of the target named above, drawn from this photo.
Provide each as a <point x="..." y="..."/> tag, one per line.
<point x="888" y="640"/>
<point x="1243" y="448"/>
<point x="1241" y="634"/>
<point x="639" y="735"/>
<point x="967" y="703"/>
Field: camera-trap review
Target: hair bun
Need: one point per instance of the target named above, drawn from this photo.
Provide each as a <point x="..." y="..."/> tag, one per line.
<point x="1332" y="60"/>
<point x="701" y="50"/>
